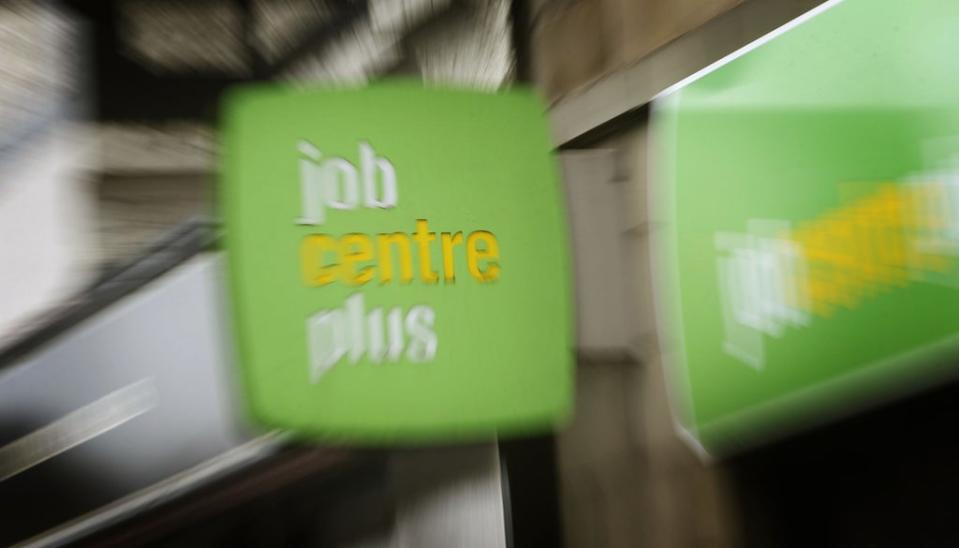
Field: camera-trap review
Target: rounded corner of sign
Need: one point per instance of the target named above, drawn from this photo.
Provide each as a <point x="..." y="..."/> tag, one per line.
<point x="562" y="416"/>
<point x="238" y="98"/>
<point x="235" y="98"/>
<point x="554" y="418"/>
<point x="261" y="416"/>
<point x="530" y="93"/>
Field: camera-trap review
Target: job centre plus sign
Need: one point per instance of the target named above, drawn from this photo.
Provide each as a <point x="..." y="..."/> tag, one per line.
<point x="363" y="310"/>
<point x="356" y="259"/>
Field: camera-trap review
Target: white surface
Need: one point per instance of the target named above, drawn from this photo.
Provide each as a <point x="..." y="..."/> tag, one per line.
<point x="449" y="498"/>
<point x="596" y="206"/>
<point x="46" y="222"/>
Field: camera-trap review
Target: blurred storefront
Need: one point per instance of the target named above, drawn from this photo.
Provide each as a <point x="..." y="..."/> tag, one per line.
<point x="836" y="473"/>
<point x="120" y="425"/>
<point x="122" y="420"/>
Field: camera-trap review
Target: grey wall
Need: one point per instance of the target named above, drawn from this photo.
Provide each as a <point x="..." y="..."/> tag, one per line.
<point x="627" y="478"/>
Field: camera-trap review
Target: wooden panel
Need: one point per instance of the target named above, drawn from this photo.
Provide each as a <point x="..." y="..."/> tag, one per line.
<point x="650" y="24"/>
<point x="576" y="43"/>
<point x="568" y="48"/>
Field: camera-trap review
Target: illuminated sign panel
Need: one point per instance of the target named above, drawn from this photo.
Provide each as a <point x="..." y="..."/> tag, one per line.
<point x="810" y="190"/>
<point x="398" y="261"/>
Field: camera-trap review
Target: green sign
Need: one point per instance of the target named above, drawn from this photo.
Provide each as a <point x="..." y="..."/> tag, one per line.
<point x="810" y="261"/>
<point x="398" y="262"/>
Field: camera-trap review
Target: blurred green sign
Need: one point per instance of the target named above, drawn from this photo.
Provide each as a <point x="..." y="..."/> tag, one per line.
<point x="810" y="187"/>
<point x="398" y="262"/>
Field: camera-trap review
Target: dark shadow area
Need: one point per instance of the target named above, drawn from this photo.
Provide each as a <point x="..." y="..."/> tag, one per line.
<point x="886" y="478"/>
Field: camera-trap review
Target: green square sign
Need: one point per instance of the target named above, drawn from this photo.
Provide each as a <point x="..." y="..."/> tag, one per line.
<point x="808" y="195"/>
<point x="398" y="262"/>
